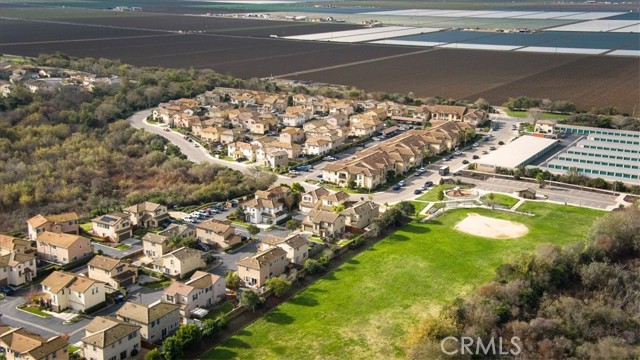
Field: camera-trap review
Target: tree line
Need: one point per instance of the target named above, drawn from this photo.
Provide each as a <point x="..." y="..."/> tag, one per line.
<point x="576" y="302"/>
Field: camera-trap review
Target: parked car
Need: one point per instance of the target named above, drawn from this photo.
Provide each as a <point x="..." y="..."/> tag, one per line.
<point x="428" y="183"/>
<point x="202" y="247"/>
<point x="475" y="145"/>
<point x="474" y="157"/>
<point x="417" y="191"/>
<point x="402" y="183"/>
<point x="500" y="142"/>
<point x="396" y="187"/>
<point x="448" y="157"/>
<point x="465" y="161"/>
<point x="7" y="290"/>
<point x="492" y="148"/>
<point x="244" y="238"/>
<point x="119" y="299"/>
<point x="485" y="152"/>
<point x="457" y="153"/>
<point x="319" y="176"/>
<point x="166" y="129"/>
<point x="304" y="168"/>
<point x="329" y="158"/>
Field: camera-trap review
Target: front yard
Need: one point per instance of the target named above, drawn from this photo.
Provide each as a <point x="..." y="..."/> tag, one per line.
<point x="500" y="199"/>
<point x="364" y="309"/>
<point x="432" y="194"/>
<point x="33" y="309"/>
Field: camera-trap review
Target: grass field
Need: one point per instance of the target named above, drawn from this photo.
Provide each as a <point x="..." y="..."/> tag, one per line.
<point x="500" y="199"/>
<point x="544" y="115"/>
<point x="363" y="309"/>
<point x="419" y="205"/>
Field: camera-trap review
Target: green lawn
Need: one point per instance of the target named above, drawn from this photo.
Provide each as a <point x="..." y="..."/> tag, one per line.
<point x="432" y="194"/>
<point x="34" y="310"/>
<point x="219" y="310"/>
<point x="419" y="206"/>
<point x="500" y="199"/>
<point x="72" y="349"/>
<point x="86" y="227"/>
<point x="123" y="247"/>
<point x="158" y="285"/>
<point x="363" y="309"/>
<point x="544" y="115"/>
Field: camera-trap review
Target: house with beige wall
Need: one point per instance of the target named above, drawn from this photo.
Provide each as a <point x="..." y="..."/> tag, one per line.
<point x="107" y="338"/>
<point x="202" y="290"/>
<point x="310" y="198"/>
<point x="325" y="224"/>
<point x="155" y="245"/>
<point x="361" y="214"/>
<point x="63" y="290"/>
<point x="10" y="244"/>
<point x="254" y="271"/>
<point x="156" y="321"/>
<point x="62" y="248"/>
<point x="17" y="269"/>
<point x="295" y="245"/>
<point x="61" y="223"/>
<point x="179" y="263"/>
<point x="113" y="272"/>
<point x="20" y="344"/>
<point x="217" y="233"/>
<point x="147" y="214"/>
<point x="114" y="226"/>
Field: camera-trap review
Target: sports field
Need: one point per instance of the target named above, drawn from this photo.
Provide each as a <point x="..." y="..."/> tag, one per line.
<point x="363" y="309"/>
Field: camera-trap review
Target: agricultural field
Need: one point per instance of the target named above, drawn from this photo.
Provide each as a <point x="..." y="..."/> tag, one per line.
<point x="363" y="309"/>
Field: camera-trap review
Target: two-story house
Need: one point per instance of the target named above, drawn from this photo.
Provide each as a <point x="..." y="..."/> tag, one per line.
<point x="310" y="198"/>
<point x="20" y="344"/>
<point x="202" y="290"/>
<point x="60" y="223"/>
<point x="361" y="214"/>
<point x="114" y="226"/>
<point x="10" y="244"/>
<point x="17" y="269"/>
<point x="156" y="245"/>
<point x="107" y="338"/>
<point x="62" y="248"/>
<point x="147" y="214"/>
<point x="179" y="263"/>
<point x="113" y="272"/>
<point x="295" y="116"/>
<point x="331" y="201"/>
<point x="269" y="206"/>
<point x="254" y="271"/>
<point x="325" y="224"/>
<point x="63" y="290"/>
<point x="156" y="321"/>
<point x="295" y="245"/>
<point x="217" y="233"/>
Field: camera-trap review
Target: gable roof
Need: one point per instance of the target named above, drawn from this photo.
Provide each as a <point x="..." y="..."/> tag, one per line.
<point x="217" y="226"/>
<point x="201" y="280"/>
<point x="104" y="262"/>
<point x="262" y="258"/>
<point x="143" y="206"/>
<point x="24" y="342"/>
<point x="11" y="243"/>
<point x="40" y="219"/>
<point x="58" y="280"/>
<point x="293" y="240"/>
<point x="145" y="314"/>
<point x="103" y="331"/>
<point x="178" y="287"/>
<point x="111" y="218"/>
<point x="317" y="216"/>
<point x="60" y="239"/>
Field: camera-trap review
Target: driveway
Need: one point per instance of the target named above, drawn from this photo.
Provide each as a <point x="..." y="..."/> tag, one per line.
<point x="136" y="246"/>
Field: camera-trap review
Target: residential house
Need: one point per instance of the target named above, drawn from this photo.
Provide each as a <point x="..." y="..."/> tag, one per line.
<point x="528" y="193"/>
<point x="361" y="214"/>
<point x="209" y="134"/>
<point x="325" y="224"/>
<point x="61" y="223"/>
<point x="269" y="206"/>
<point x="113" y="272"/>
<point x="179" y="263"/>
<point x="229" y="136"/>
<point x="545" y="126"/>
<point x="62" y="248"/>
<point x="364" y="125"/>
<point x="217" y="233"/>
<point x="475" y="117"/>
<point x="63" y="290"/>
<point x="337" y="120"/>
<point x="340" y="108"/>
<point x="107" y="338"/>
<point x="295" y="116"/>
<point x="310" y="198"/>
<point x="157" y="320"/>
<point x="203" y="289"/>
<point x="242" y="150"/>
<point x="295" y="245"/>
<point x="20" y="344"/>
<point x="330" y="201"/>
<point x="114" y="226"/>
<point x="17" y="268"/>
<point x="318" y="145"/>
<point x="447" y="112"/>
<point x="156" y="245"/>
<point x="291" y="135"/>
<point x="272" y="157"/>
<point x="10" y="244"/>
<point x="263" y="126"/>
<point x="254" y="271"/>
<point x="147" y="214"/>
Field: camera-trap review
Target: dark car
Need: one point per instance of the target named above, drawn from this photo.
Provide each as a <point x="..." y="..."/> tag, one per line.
<point x="119" y="298"/>
<point x="202" y="247"/>
<point x="474" y="157"/>
<point x="303" y="168"/>
<point x="492" y="148"/>
<point x="417" y="191"/>
<point x="428" y="183"/>
<point x="396" y="187"/>
<point x="7" y="290"/>
<point x="465" y="161"/>
<point x="500" y="142"/>
<point x="244" y="238"/>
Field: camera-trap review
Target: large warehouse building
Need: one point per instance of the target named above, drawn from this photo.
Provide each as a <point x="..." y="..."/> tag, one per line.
<point x="611" y="154"/>
<point x="518" y="153"/>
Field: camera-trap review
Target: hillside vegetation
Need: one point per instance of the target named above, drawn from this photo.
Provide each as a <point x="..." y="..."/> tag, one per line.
<point x="67" y="150"/>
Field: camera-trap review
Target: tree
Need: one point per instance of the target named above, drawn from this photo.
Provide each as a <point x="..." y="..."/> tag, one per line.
<point x="391" y="218"/>
<point x="292" y="224"/>
<point x="279" y="285"/>
<point x="250" y="300"/>
<point x="440" y="195"/>
<point x="153" y="354"/>
<point x="406" y="207"/>
<point x="237" y="215"/>
<point x="189" y="335"/>
<point x="253" y="230"/>
<point x="171" y="348"/>
<point x="338" y="208"/>
<point x="312" y="266"/>
<point x="209" y="327"/>
<point x="232" y="280"/>
<point x="351" y="184"/>
<point x="297" y="188"/>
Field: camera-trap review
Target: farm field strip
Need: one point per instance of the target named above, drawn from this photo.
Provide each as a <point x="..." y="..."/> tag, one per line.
<point x="384" y="35"/>
<point x="542" y="15"/>
<point x="337" y="34"/>
<point x="407" y="43"/>
<point x="90" y="40"/>
<point x="630" y="29"/>
<point x="592" y="15"/>
<point x="624" y="53"/>
<point x="547" y="15"/>
<point x="479" y="46"/>
<point x="597" y="26"/>
<point x="561" y="50"/>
